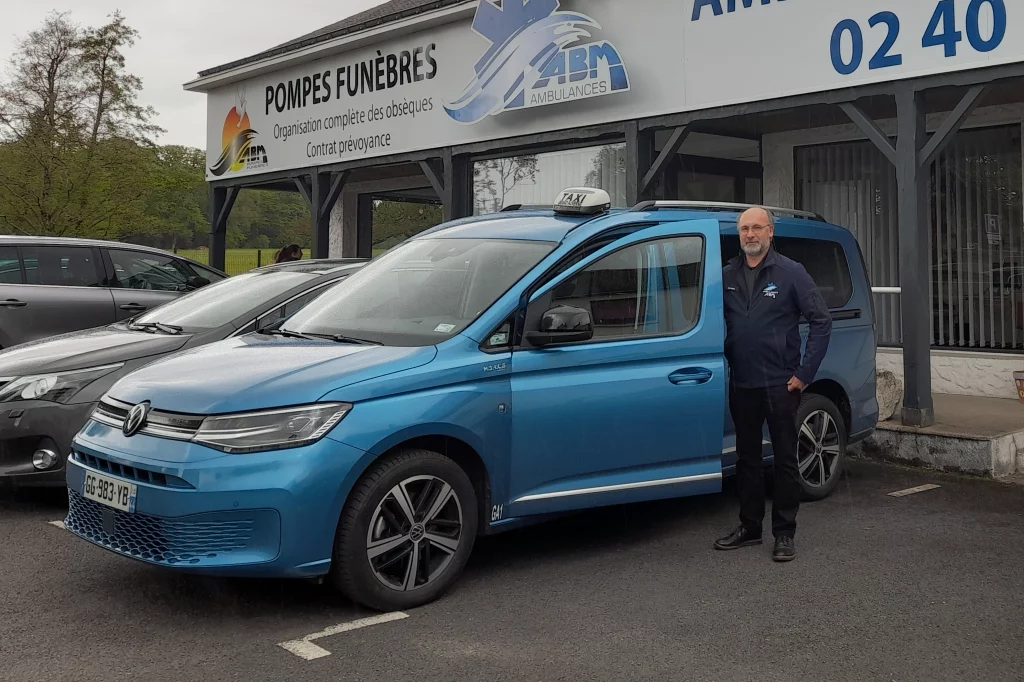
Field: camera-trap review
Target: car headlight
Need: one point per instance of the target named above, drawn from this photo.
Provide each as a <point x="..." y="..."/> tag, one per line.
<point x="58" y="387"/>
<point x="270" y="430"/>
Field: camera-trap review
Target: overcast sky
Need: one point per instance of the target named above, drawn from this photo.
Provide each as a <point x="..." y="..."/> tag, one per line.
<point x="178" y="38"/>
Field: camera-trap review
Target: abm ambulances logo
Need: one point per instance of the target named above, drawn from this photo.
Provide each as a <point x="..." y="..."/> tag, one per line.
<point x="238" y="147"/>
<point x="536" y="58"/>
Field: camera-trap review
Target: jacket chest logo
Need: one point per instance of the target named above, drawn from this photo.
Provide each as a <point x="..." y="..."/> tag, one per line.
<point x="770" y="291"/>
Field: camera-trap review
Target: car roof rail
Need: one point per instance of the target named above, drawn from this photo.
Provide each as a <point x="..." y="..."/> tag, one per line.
<point x="724" y="206"/>
<point x="525" y="207"/>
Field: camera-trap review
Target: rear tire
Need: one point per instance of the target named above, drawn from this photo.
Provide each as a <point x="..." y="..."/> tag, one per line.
<point x="406" y="531"/>
<point x="821" y="446"/>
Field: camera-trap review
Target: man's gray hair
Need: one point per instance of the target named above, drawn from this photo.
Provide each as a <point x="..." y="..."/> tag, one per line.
<point x="771" y="216"/>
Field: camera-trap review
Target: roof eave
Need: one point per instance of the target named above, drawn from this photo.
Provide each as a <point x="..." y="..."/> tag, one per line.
<point x="346" y="43"/>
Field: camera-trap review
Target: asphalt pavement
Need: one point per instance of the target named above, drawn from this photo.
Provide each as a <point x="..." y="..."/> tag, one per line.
<point x="929" y="586"/>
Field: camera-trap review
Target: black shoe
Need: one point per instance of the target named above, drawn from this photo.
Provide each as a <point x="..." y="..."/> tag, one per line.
<point x="785" y="550"/>
<point x="741" y="537"/>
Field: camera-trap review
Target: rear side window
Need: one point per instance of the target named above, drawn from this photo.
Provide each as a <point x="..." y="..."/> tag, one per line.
<point x="62" y="266"/>
<point x="825" y="261"/>
<point x="10" y="265"/>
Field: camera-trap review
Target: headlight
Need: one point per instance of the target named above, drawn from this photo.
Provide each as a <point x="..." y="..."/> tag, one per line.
<point x="271" y="430"/>
<point x="57" y="388"/>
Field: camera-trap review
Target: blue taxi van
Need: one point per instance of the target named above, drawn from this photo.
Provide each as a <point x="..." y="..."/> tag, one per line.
<point x="483" y="374"/>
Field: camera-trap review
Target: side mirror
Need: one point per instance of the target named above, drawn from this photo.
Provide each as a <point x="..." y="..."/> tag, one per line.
<point x="563" y="324"/>
<point x="197" y="282"/>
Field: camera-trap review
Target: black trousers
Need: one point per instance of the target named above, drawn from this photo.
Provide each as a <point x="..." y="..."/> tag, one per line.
<point x="751" y="408"/>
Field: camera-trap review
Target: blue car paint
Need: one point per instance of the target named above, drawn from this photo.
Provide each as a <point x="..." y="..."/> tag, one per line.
<point x="530" y="415"/>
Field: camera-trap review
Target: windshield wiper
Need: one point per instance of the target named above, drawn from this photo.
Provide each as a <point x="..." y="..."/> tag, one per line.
<point x="342" y="338"/>
<point x="171" y="329"/>
<point x="287" y="333"/>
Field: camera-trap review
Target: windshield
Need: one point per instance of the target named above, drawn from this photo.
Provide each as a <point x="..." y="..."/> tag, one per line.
<point x="219" y="303"/>
<point x="422" y="292"/>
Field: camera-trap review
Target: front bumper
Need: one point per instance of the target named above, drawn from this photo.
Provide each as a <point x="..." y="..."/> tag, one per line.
<point x="269" y="514"/>
<point x="25" y="426"/>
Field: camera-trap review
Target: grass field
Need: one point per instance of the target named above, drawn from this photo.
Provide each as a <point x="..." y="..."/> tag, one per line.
<point x="237" y="261"/>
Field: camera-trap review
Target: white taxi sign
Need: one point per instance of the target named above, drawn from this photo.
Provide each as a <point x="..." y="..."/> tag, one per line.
<point x="582" y="200"/>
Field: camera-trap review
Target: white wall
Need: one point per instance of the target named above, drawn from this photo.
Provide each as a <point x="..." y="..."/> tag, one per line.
<point x="335" y="234"/>
<point x="955" y="372"/>
<point x="963" y="372"/>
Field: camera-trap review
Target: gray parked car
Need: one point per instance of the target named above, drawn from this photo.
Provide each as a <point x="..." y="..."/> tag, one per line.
<point x="48" y="388"/>
<point x="49" y="286"/>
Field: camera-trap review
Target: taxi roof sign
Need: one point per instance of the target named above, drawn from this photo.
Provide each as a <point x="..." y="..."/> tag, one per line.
<point x="582" y="201"/>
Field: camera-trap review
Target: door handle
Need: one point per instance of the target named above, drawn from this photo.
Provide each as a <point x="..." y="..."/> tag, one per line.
<point x="133" y="307"/>
<point x="691" y="375"/>
<point x="13" y="303"/>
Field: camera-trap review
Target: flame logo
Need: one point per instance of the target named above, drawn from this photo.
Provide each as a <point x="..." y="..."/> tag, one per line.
<point x="236" y="139"/>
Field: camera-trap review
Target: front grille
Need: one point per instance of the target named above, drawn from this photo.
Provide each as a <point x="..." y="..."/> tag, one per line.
<point x="129" y="472"/>
<point x="172" y="425"/>
<point x="173" y="542"/>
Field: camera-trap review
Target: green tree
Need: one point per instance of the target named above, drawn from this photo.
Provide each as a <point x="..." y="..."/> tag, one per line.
<point x="74" y="138"/>
<point x="396" y="221"/>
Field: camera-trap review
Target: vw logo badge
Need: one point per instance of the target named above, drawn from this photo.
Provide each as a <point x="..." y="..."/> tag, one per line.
<point x="136" y="419"/>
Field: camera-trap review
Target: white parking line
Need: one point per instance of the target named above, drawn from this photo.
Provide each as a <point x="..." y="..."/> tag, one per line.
<point x="304" y="648"/>
<point x="911" y="491"/>
<point x="59" y="524"/>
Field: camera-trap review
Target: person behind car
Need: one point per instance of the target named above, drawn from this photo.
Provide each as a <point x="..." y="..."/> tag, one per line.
<point x="765" y="295"/>
<point x="289" y="253"/>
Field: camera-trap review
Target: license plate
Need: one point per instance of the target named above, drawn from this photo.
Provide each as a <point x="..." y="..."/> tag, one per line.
<point x="110" y="491"/>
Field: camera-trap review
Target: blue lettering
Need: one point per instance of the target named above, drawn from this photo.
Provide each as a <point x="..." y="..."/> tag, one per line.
<point x="698" y="5"/>
<point x="616" y="70"/>
<point x="578" y="64"/>
<point x="716" y="6"/>
<point x="555" y="68"/>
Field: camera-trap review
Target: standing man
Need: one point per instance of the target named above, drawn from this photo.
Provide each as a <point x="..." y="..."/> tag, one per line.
<point x="765" y="295"/>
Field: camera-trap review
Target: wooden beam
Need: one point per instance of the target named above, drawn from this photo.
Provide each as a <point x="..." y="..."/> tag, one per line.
<point x="954" y="121"/>
<point x="871" y="129"/>
<point x="305" y="192"/>
<point x="225" y="210"/>
<point x="433" y="177"/>
<point x="675" y="141"/>
<point x="335" y="191"/>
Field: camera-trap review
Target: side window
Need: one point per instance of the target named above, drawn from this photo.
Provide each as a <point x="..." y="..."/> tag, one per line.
<point x="825" y="261"/>
<point x="10" y="265"/>
<point x="205" y="273"/>
<point x="67" y="266"/>
<point x="645" y="289"/>
<point x="140" y="270"/>
<point x="500" y="338"/>
<point x="291" y="307"/>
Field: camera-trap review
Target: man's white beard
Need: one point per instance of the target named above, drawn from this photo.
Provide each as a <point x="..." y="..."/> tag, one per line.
<point x="753" y="249"/>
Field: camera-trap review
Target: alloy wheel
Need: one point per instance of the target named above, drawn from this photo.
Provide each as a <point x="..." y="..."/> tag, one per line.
<point x="818" y="448"/>
<point x="414" y="533"/>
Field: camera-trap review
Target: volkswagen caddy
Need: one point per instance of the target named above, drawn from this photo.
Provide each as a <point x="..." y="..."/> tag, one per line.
<point x="486" y="373"/>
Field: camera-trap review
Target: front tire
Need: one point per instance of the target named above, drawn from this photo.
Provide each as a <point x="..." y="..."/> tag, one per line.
<point x="821" y="446"/>
<point x="406" y="531"/>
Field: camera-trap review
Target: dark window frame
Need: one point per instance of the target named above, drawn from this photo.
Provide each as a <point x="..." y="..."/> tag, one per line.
<point x="848" y="270"/>
<point x="521" y="344"/>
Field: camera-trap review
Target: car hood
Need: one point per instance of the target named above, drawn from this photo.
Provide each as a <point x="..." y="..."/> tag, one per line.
<point x="88" y="348"/>
<point x="254" y="372"/>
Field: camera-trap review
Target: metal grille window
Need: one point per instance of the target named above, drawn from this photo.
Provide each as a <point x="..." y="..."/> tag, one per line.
<point x="976" y="240"/>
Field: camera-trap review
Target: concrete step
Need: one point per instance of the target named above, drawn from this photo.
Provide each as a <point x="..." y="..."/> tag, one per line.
<point x="973" y="435"/>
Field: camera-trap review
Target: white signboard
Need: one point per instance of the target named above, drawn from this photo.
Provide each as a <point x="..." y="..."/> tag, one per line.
<point x="538" y="65"/>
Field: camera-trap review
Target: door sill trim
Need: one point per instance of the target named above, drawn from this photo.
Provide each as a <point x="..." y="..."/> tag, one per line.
<point x="618" y="487"/>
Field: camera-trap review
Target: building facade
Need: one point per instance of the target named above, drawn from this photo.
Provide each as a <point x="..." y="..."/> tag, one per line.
<point x="900" y="121"/>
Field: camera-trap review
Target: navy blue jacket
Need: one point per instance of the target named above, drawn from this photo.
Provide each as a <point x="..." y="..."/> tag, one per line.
<point x="762" y="342"/>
